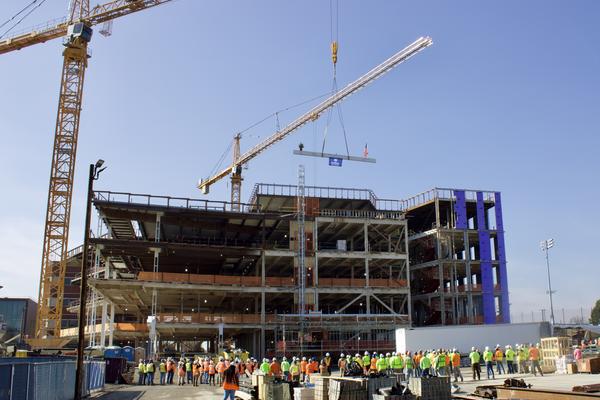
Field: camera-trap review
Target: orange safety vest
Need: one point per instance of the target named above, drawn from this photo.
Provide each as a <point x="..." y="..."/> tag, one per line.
<point x="534" y="354"/>
<point x="373" y="363"/>
<point x="211" y="369"/>
<point x="220" y="367"/>
<point x="456" y="360"/>
<point x="303" y="365"/>
<point x="230" y="386"/>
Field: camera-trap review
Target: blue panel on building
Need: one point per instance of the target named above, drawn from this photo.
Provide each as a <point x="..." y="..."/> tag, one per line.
<point x="335" y="162"/>
<point x="503" y="278"/>
<point x="485" y="255"/>
<point x="461" y="209"/>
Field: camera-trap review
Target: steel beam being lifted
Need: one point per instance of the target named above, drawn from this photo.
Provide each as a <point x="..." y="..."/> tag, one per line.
<point x="314" y="113"/>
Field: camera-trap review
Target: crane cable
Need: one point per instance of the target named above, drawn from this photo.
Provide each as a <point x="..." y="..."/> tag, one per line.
<point x="334" y="23"/>
<point x="22" y="18"/>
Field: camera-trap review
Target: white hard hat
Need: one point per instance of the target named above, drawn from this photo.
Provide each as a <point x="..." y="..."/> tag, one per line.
<point x="366" y="353"/>
<point x="472" y="348"/>
<point x="454" y="349"/>
<point x="393" y="353"/>
<point x="381" y="355"/>
<point x="274" y="359"/>
<point x="357" y="355"/>
<point x="487" y="348"/>
<point x="304" y="358"/>
<point x="342" y="355"/>
<point x="326" y="354"/>
<point x="507" y="346"/>
<point x="497" y="346"/>
<point x="284" y="358"/>
<point x="387" y="354"/>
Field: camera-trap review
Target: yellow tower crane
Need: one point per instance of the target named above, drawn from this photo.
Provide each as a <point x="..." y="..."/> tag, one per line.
<point x="76" y="29"/>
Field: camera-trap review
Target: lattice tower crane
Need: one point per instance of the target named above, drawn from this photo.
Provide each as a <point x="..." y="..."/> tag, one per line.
<point x="239" y="160"/>
<point x="76" y="29"/>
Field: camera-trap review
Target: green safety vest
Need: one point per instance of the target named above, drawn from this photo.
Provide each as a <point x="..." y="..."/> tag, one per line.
<point x="366" y="360"/>
<point x="142" y="368"/>
<point x="150" y="367"/>
<point x="488" y="356"/>
<point x="409" y="362"/>
<point x="441" y="362"/>
<point x="188" y="366"/>
<point x="381" y="364"/>
<point x="264" y="367"/>
<point x="474" y="356"/>
<point x="162" y="367"/>
<point x="294" y="369"/>
<point x="397" y="362"/>
<point x="285" y="366"/>
<point x="510" y="355"/>
<point x="425" y="362"/>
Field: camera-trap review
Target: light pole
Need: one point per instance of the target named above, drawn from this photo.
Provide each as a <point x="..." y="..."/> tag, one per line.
<point x="546" y="245"/>
<point x="95" y="170"/>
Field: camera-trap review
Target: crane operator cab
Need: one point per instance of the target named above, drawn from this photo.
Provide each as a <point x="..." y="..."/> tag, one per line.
<point x="79" y="30"/>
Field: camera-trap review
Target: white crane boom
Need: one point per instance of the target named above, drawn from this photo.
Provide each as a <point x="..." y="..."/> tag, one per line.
<point x="403" y="55"/>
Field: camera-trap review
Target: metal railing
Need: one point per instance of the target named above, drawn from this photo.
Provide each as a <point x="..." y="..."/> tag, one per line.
<point x="170" y="202"/>
<point x="366" y="214"/>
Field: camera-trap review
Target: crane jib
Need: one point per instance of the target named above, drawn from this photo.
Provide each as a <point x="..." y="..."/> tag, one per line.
<point x="314" y="113"/>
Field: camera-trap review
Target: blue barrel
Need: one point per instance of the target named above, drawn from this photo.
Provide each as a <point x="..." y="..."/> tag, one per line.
<point x="128" y="353"/>
<point x="113" y="352"/>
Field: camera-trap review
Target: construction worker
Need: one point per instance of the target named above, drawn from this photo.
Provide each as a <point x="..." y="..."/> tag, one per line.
<point x="373" y="366"/>
<point x="211" y="373"/>
<point x="522" y="356"/>
<point x="313" y="366"/>
<point x="265" y="367"/>
<point x="304" y="369"/>
<point x="388" y="359"/>
<point x="328" y="362"/>
<point x="220" y="371"/>
<point x="424" y="365"/>
<point x="499" y="356"/>
<point x="142" y="373"/>
<point x="381" y="364"/>
<point x="295" y="370"/>
<point x="188" y="370"/>
<point x="206" y="368"/>
<point x="417" y="360"/>
<point x="475" y="358"/>
<point x="534" y="358"/>
<point x="510" y="359"/>
<point x="195" y="373"/>
<point x="285" y="368"/>
<point x="488" y="358"/>
<point x="342" y="365"/>
<point x="275" y="368"/>
<point x="409" y="365"/>
<point x="366" y="362"/>
<point x="150" y="373"/>
<point x="358" y="360"/>
<point x="441" y="363"/>
<point x="162" y="369"/>
<point x="455" y="363"/>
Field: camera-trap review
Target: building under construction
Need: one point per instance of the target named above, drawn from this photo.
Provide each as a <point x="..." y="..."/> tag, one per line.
<point x="295" y="270"/>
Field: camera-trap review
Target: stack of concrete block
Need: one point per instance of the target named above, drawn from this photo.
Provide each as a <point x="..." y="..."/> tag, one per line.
<point x="374" y="384"/>
<point x="433" y="388"/>
<point x="348" y="389"/>
<point x="302" y="393"/>
<point x="322" y="389"/>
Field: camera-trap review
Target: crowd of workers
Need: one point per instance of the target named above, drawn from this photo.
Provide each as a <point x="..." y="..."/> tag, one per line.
<point x="441" y="362"/>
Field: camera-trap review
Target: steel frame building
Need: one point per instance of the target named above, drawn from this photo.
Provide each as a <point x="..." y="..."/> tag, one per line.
<point x="176" y="272"/>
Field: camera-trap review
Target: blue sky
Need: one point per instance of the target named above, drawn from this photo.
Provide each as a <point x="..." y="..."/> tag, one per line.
<point x="506" y="99"/>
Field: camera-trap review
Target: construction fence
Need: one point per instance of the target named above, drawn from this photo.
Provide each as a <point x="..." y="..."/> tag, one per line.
<point x="31" y="378"/>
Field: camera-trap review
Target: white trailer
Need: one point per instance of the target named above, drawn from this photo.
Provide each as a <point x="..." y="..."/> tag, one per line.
<point x="463" y="337"/>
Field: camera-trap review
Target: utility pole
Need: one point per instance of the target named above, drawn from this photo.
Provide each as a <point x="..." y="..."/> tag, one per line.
<point x="545" y="246"/>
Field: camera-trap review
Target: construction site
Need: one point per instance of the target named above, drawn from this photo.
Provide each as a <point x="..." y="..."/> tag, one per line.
<point x="287" y="272"/>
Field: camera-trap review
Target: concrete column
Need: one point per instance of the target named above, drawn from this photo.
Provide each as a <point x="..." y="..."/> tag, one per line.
<point x="316" y="264"/>
<point x="111" y="326"/>
<point x="366" y="234"/>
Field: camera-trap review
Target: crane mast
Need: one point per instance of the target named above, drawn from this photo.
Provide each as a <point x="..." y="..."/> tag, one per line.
<point x="313" y="114"/>
<point x="62" y="173"/>
<point x="77" y="30"/>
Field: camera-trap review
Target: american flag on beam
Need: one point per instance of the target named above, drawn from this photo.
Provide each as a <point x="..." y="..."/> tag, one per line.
<point x="366" y="151"/>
